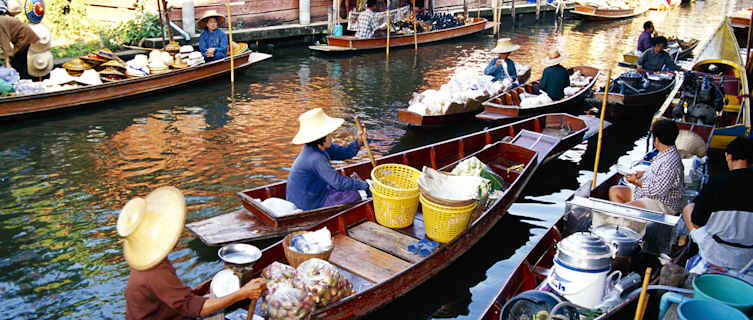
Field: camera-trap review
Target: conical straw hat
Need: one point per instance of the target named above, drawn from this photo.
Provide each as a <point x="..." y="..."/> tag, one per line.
<point x="505" y="45"/>
<point x="554" y="58"/>
<point x="202" y="23"/>
<point x="151" y="226"/>
<point x="89" y="77"/>
<point x="76" y="64"/>
<point x="238" y="48"/>
<point x="315" y="124"/>
<point x="39" y="64"/>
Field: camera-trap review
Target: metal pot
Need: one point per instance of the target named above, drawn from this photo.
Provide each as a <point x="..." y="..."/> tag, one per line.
<point x="584" y="250"/>
<point x="623" y="241"/>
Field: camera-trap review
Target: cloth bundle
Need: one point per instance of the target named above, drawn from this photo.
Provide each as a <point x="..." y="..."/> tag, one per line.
<point x="455" y="95"/>
<point x="450" y="187"/>
<point x="577" y="79"/>
<point x="528" y="100"/>
<point x="279" y="207"/>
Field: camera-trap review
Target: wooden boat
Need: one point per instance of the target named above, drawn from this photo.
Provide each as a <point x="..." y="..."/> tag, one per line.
<point x="375" y="258"/>
<point x="418" y="120"/>
<point x="535" y="267"/>
<point x="593" y="13"/>
<point x="506" y="106"/>
<point x="97" y="94"/>
<point x="351" y="43"/>
<point x="740" y="21"/>
<point x="685" y="52"/>
<point x="623" y="106"/>
<point x="254" y="222"/>
<point x="722" y="53"/>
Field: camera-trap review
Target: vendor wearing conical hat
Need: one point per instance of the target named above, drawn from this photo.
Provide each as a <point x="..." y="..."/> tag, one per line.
<point x="213" y="43"/>
<point x="555" y="77"/>
<point x="502" y="67"/>
<point x="313" y="183"/>
<point x="150" y="228"/>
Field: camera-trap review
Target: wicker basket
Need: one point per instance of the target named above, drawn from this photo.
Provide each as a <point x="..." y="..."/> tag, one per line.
<point x="295" y="258"/>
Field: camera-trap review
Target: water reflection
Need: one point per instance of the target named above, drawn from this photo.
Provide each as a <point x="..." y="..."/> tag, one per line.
<point x="64" y="178"/>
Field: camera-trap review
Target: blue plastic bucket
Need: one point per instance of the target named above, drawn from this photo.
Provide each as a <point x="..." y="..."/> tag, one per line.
<point x="337" y="30"/>
<point x="725" y="289"/>
<point x="696" y="309"/>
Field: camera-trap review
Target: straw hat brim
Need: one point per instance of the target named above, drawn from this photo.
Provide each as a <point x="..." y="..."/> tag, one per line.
<point x="202" y="23"/>
<point x="76" y="66"/>
<point x="39" y="64"/>
<point x="314" y="125"/>
<point x="238" y="48"/>
<point x="505" y="49"/>
<point x="551" y="62"/>
<point x="151" y="226"/>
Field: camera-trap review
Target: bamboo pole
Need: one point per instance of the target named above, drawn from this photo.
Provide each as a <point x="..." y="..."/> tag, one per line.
<point x="161" y="23"/>
<point x="478" y="10"/>
<point x="643" y="299"/>
<point x="230" y="51"/>
<point x="251" y="307"/>
<point x="388" y="30"/>
<point x="167" y="21"/>
<point x="415" y="29"/>
<point x="601" y="128"/>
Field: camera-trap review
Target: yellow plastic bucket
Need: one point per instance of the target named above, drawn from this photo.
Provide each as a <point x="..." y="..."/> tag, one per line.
<point x="395" y="180"/>
<point x="394" y="212"/>
<point x="443" y="223"/>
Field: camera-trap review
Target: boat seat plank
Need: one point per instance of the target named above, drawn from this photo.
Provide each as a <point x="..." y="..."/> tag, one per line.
<point x="365" y="261"/>
<point x="385" y="239"/>
<point x="237" y="226"/>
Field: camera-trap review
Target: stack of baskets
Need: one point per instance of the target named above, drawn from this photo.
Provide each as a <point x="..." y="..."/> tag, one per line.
<point x="445" y="219"/>
<point x="395" y="193"/>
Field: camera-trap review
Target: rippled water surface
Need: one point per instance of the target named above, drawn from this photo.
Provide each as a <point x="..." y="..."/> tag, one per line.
<point x="64" y="177"/>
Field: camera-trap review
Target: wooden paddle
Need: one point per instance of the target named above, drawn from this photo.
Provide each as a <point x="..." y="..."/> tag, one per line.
<point x="251" y="308"/>
<point x="601" y="128"/>
<point x="365" y="141"/>
<point x="643" y="299"/>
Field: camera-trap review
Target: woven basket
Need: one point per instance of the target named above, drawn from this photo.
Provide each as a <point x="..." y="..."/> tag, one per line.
<point x="295" y="258"/>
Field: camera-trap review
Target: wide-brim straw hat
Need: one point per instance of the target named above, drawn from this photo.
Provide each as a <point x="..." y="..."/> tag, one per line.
<point x="186" y="49"/>
<point x="39" y="64"/>
<point x="238" y="48"/>
<point x="119" y="65"/>
<point x="111" y="74"/>
<point x="93" y="59"/>
<point x="179" y="64"/>
<point x="76" y="64"/>
<point x="202" y="23"/>
<point x="505" y="45"/>
<point x="59" y="76"/>
<point x="140" y="60"/>
<point x="89" y="77"/>
<point x="315" y="124"/>
<point x="14" y="7"/>
<point x="106" y="53"/>
<point x="151" y="226"/>
<point x="44" y="35"/>
<point x="555" y="57"/>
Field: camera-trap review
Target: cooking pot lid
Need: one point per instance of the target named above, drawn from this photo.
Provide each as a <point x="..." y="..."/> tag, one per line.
<point x="584" y="250"/>
<point x="610" y="232"/>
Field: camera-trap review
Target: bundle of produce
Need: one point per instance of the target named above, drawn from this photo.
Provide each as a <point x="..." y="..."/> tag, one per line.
<point x="578" y="79"/>
<point x="569" y="91"/>
<point x="323" y="282"/>
<point x="450" y="187"/>
<point x="440" y="21"/>
<point x="455" y="95"/>
<point x="287" y="302"/>
<point x="474" y="167"/>
<point x="312" y="242"/>
<point x="528" y="100"/>
<point x="279" y="207"/>
<point x="278" y="274"/>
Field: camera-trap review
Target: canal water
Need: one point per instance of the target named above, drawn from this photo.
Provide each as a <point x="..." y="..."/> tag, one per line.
<point x="64" y="177"/>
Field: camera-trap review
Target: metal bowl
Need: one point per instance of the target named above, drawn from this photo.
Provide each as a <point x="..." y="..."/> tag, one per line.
<point x="240" y="258"/>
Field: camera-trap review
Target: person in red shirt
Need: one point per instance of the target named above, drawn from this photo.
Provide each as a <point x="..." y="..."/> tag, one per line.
<point x="150" y="228"/>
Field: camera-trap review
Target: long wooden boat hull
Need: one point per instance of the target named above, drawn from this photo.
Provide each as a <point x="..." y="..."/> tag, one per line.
<point x="591" y="13"/>
<point x="418" y="120"/>
<point x="351" y="43"/>
<point x="379" y="276"/>
<point x="622" y="106"/>
<point x="740" y="21"/>
<point x="505" y="107"/>
<point x="249" y="224"/>
<point x="97" y="94"/>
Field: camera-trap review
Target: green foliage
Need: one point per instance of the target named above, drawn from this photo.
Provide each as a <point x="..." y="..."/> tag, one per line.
<point x="143" y="25"/>
<point x="66" y="18"/>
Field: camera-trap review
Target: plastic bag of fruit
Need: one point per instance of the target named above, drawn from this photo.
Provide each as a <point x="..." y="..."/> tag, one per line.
<point x="277" y="274"/>
<point x="287" y="302"/>
<point x="323" y="281"/>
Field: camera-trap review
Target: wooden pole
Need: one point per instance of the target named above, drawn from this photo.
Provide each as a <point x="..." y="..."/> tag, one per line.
<point x="415" y="29"/>
<point x="478" y="10"/>
<point x="388" y="30"/>
<point x="161" y="23"/>
<point x="643" y="299"/>
<point x="167" y="21"/>
<point x="251" y="308"/>
<point x="601" y="128"/>
<point x="365" y="141"/>
<point x="230" y="51"/>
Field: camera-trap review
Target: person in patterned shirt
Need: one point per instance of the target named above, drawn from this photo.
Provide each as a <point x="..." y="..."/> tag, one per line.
<point x="367" y="22"/>
<point x="661" y="187"/>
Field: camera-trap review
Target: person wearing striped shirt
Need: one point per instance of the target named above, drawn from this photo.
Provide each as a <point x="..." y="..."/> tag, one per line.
<point x="366" y="25"/>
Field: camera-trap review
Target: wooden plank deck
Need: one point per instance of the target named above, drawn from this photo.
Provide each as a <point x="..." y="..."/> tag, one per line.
<point x="385" y="239"/>
<point x="364" y="261"/>
<point x="237" y="226"/>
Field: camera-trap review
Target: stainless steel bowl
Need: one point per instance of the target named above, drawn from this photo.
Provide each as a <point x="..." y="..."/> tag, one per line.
<point x="240" y="258"/>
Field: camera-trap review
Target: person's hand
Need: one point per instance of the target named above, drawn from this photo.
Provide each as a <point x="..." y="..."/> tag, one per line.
<point x="640" y="69"/>
<point x="210" y="52"/>
<point x="7" y="63"/>
<point x="361" y="135"/>
<point x="499" y="62"/>
<point x="635" y="178"/>
<point x="254" y="288"/>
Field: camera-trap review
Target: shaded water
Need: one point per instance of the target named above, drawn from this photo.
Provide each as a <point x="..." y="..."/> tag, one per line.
<point x="64" y="177"/>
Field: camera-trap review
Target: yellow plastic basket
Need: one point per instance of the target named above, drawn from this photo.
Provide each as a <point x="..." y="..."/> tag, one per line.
<point x="443" y="223"/>
<point x="394" y="212"/>
<point x="395" y="180"/>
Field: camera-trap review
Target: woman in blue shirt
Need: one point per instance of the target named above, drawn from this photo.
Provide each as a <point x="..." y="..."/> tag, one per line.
<point x="313" y="183"/>
<point x="503" y="67"/>
<point x="213" y="42"/>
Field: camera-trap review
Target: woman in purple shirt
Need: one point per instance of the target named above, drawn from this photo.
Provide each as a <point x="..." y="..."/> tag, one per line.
<point x="313" y="183"/>
<point x="644" y="40"/>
